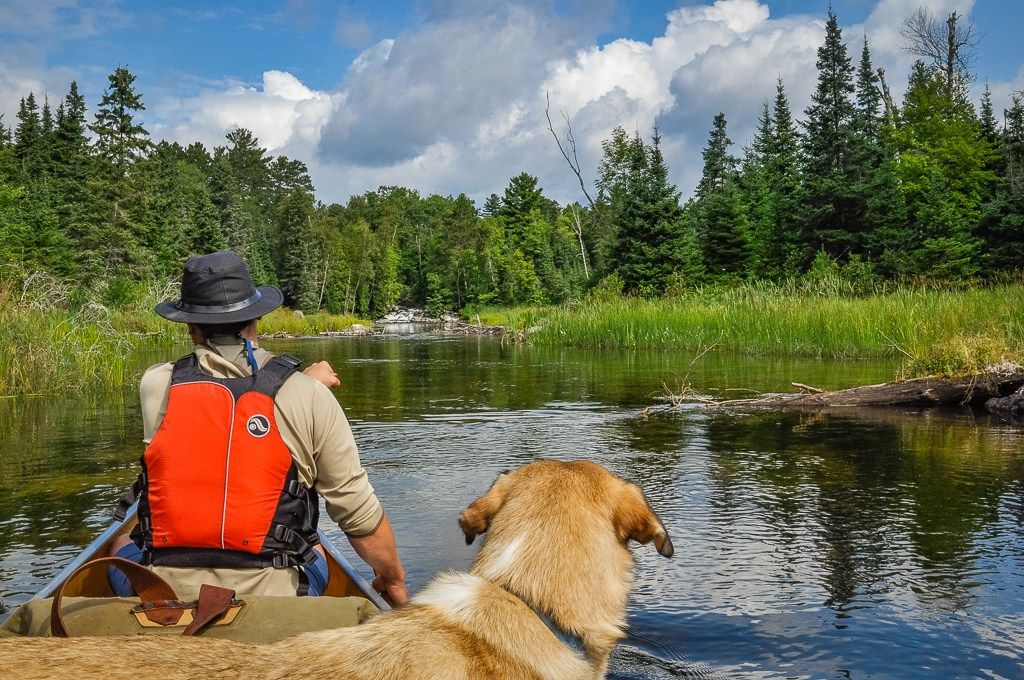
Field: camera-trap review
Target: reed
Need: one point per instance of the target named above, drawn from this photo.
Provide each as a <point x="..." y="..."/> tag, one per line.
<point x="55" y="346"/>
<point x="286" y="322"/>
<point x="936" y="331"/>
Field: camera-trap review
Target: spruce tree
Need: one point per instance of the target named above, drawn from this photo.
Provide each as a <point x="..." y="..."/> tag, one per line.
<point x="649" y="227"/>
<point x="771" y="184"/>
<point x="876" y="193"/>
<point x="300" y="256"/>
<point x="70" y="145"/>
<point x="719" y="216"/>
<point x="1002" y="220"/>
<point x="784" y="164"/>
<point x="528" y="230"/>
<point x="719" y="164"/>
<point x="989" y="126"/>
<point x="120" y="139"/>
<point x="28" y="138"/>
<point x="830" y="205"/>
<point x="492" y="206"/>
<point x="867" y="115"/>
<point x="8" y="164"/>
<point x="759" y="197"/>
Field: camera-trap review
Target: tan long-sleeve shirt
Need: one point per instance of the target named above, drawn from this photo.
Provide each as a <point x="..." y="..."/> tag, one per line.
<point x="315" y="430"/>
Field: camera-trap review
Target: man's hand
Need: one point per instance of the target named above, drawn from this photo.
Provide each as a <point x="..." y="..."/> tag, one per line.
<point x="323" y="372"/>
<point x="393" y="593"/>
<point x="380" y="552"/>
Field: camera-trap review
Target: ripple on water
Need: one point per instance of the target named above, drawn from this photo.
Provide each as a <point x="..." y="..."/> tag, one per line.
<point x="887" y="545"/>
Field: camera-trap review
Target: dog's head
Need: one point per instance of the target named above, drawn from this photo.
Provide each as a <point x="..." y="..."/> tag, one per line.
<point x="577" y="487"/>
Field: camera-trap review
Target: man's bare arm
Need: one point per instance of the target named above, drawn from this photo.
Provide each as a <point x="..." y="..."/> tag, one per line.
<point x="380" y="552"/>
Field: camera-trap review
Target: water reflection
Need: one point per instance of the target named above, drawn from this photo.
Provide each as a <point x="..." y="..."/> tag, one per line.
<point x="885" y="544"/>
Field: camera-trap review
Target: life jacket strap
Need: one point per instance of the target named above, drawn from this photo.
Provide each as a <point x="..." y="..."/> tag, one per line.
<point x="130" y="496"/>
<point x="298" y="547"/>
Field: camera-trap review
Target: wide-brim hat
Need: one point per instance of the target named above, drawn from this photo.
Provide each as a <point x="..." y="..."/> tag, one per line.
<point x="217" y="289"/>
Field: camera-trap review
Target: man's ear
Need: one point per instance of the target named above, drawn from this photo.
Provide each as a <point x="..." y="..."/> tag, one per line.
<point x="634" y="519"/>
<point x="476" y="518"/>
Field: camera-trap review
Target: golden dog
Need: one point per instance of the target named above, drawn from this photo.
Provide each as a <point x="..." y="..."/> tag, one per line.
<point x="555" y="549"/>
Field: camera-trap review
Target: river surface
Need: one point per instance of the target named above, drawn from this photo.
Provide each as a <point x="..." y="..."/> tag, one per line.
<point x="882" y="545"/>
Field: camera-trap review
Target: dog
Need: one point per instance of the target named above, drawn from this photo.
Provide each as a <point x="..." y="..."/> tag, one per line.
<point x="554" y="565"/>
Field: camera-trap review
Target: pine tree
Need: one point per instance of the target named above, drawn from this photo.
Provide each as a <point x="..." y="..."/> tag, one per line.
<point x="719" y="164"/>
<point x="1002" y="220"/>
<point x="944" y="169"/>
<point x="989" y="126"/>
<point x="492" y="206"/>
<point x="70" y="145"/>
<point x="718" y="207"/>
<point x="649" y="226"/>
<point x="28" y="138"/>
<point x="8" y="165"/>
<point x="300" y="258"/>
<point x="120" y="139"/>
<point x="830" y="206"/>
<point x="876" y="192"/>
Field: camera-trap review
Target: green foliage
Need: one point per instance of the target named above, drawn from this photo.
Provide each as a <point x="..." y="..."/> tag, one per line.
<point x="944" y="170"/>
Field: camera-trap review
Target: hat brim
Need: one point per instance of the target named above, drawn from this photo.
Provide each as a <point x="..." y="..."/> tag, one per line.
<point x="270" y="299"/>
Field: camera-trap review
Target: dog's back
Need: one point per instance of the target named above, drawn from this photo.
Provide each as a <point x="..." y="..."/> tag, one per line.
<point x="556" y="550"/>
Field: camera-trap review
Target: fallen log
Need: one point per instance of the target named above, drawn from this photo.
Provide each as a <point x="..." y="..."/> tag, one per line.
<point x="994" y="383"/>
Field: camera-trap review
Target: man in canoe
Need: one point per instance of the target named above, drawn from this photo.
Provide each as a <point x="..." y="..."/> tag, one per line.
<point x="239" y="443"/>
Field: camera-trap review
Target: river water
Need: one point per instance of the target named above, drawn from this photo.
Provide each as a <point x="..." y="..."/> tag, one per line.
<point x="883" y="544"/>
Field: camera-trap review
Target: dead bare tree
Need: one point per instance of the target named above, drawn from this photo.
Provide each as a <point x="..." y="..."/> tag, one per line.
<point x="890" y="105"/>
<point x="571" y="156"/>
<point x="951" y="48"/>
<point x="577" y="226"/>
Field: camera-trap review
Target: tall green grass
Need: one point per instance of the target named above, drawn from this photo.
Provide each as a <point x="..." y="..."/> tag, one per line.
<point x="55" y="350"/>
<point x="283" y="321"/>
<point x="935" y="331"/>
<point x="53" y="344"/>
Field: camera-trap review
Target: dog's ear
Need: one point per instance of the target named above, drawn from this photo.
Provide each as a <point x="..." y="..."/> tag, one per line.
<point x="477" y="516"/>
<point x="635" y="519"/>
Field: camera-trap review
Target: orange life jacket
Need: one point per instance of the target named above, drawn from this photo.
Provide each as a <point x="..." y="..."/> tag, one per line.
<point x="219" y="487"/>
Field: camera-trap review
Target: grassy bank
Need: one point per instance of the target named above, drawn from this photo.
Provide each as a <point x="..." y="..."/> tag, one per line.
<point x="53" y="347"/>
<point x="936" y="331"/>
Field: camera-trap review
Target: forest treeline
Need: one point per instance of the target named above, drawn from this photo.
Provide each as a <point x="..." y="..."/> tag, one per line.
<point x="930" y="187"/>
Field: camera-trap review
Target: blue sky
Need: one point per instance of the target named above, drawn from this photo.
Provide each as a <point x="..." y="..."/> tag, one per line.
<point x="448" y="95"/>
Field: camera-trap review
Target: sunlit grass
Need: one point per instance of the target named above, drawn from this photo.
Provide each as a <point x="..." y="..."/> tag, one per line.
<point x="284" y="321"/>
<point x="936" y="331"/>
<point x="53" y="347"/>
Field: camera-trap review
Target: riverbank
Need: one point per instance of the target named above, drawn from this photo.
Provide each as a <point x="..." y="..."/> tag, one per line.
<point x="935" y="332"/>
<point x="52" y="349"/>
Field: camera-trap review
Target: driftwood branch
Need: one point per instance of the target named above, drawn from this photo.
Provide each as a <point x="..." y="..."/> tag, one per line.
<point x="977" y="390"/>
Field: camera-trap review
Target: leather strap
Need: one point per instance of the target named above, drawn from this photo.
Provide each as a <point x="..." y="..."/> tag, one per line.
<point x="145" y="582"/>
<point x="213" y="603"/>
